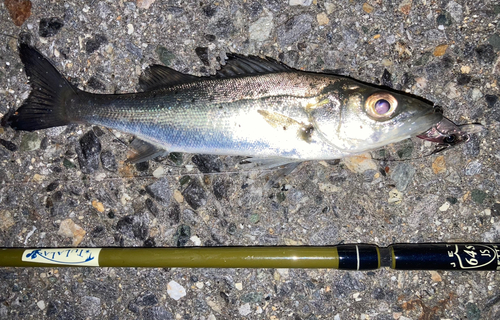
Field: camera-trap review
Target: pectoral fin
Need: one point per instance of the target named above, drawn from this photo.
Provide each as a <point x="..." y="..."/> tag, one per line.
<point x="279" y="121"/>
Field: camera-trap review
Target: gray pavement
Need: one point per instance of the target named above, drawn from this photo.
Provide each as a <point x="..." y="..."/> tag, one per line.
<point x="444" y="51"/>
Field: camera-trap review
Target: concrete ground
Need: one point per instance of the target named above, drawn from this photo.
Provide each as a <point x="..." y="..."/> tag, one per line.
<point x="444" y="51"/>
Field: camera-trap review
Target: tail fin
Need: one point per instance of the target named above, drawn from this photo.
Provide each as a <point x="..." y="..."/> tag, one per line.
<point x="46" y="104"/>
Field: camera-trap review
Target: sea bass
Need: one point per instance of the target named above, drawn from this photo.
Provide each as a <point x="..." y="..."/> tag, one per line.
<point x="254" y="107"/>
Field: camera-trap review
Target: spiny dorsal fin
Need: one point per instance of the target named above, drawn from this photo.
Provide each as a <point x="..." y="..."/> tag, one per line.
<point x="158" y="77"/>
<point x="141" y="151"/>
<point x="239" y="65"/>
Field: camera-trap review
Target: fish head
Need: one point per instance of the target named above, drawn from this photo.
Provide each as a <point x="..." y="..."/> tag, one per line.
<point x="359" y="117"/>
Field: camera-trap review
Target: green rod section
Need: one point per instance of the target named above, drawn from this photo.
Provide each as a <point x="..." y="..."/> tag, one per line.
<point x="223" y="257"/>
<point x="195" y="257"/>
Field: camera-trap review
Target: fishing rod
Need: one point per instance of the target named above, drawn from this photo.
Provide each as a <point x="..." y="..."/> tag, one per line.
<point x="424" y="256"/>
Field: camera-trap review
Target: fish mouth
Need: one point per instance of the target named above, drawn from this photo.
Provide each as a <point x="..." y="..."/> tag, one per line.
<point x="414" y="124"/>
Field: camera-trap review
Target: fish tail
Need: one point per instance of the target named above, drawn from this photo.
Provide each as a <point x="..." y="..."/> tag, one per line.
<point x="46" y="105"/>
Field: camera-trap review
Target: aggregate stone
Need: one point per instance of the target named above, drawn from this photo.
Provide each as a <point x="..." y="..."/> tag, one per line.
<point x="52" y="186"/>
<point x="30" y="142"/>
<point x="455" y="10"/>
<point x="132" y="306"/>
<point x="463" y="79"/>
<point x="9" y="145"/>
<point x="49" y="27"/>
<point x="195" y="195"/>
<point x="210" y="10"/>
<point x="494" y="40"/>
<point x="478" y="196"/>
<point x="495" y="210"/>
<point x="202" y="53"/>
<point x="182" y="235"/>
<point x="473" y="168"/>
<point x="51" y="309"/>
<point x="152" y="207"/>
<point x="88" y="151"/>
<point x="149" y="243"/>
<point x="166" y="57"/>
<point x="133" y="226"/>
<point x="405" y="149"/>
<point x="207" y="163"/>
<point x="346" y="285"/>
<point x="108" y="161"/>
<point x="96" y="84"/>
<point x="253" y="297"/>
<point x="245" y="309"/>
<point x="378" y="293"/>
<point x="210" y="37"/>
<point x="402" y="175"/>
<point x="473" y="311"/>
<point x="254" y="8"/>
<point x="146" y="299"/>
<point x="231" y="228"/>
<point x="92" y="44"/>
<point x="491" y="100"/>
<point x="174" y="214"/>
<point x="157" y="313"/>
<point x="444" y="19"/>
<point x="223" y="26"/>
<point x="4" y="155"/>
<point x="261" y="29"/>
<point x="473" y="147"/>
<point x="294" y="29"/>
<point x="161" y="191"/>
<point x="90" y="306"/>
<point x="220" y="189"/>
<point x="142" y="166"/>
<point x="133" y="49"/>
<point x="98" y="231"/>
<point x="124" y="226"/>
<point x="485" y="53"/>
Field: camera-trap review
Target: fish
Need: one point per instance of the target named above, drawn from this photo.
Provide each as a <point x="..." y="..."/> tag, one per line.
<point x="253" y="107"/>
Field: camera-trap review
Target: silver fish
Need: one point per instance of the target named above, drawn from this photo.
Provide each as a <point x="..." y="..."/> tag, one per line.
<point x="254" y="107"/>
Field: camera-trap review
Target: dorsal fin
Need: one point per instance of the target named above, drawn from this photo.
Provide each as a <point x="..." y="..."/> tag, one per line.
<point x="239" y="65"/>
<point x="158" y="76"/>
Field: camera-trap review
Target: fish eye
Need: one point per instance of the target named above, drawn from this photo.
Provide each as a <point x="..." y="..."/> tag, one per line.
<point x="381" y="106"/>
<point x="450" y="139"/>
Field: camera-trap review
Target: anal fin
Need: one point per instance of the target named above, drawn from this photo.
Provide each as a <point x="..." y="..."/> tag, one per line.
<point x="270" y="163"/>
<point x="281" y="173"/>
<point x="141" y="151"/>
<point x="284" y="167"/>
